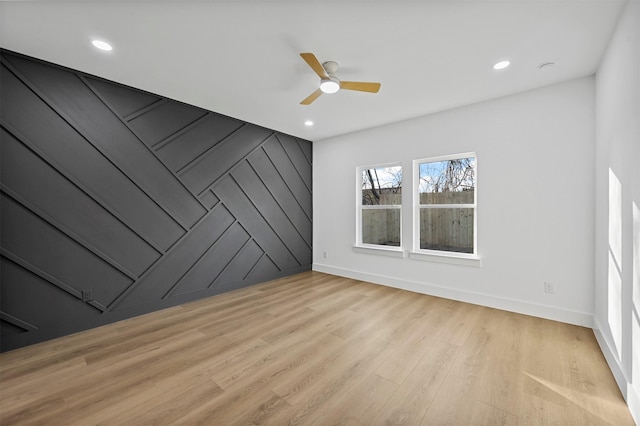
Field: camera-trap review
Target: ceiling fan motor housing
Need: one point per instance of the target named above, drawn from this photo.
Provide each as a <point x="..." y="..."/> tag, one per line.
<point x="330" y="67"/>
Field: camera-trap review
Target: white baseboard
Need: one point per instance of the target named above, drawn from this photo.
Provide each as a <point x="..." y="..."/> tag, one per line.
<point x="512" y="305"/>
<point x="629" y="393"/>
<point x="633" y="402"/>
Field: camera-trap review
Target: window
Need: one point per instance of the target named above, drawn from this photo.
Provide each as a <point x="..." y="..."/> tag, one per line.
<point x="379" y="206"/>
<point x="445" y="205"/>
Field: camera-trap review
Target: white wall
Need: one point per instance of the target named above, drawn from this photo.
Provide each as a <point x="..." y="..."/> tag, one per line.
<point x="535" y="156"/>
<point x="617" y="222"/>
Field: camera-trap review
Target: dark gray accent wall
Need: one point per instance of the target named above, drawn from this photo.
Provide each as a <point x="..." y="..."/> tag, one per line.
<point x="116" y="202"/>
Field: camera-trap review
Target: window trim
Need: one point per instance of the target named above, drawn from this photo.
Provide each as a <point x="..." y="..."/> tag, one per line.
<point x="359" y="246"/>
<point x="390" y="251"/>
<point x="470" y="259"/>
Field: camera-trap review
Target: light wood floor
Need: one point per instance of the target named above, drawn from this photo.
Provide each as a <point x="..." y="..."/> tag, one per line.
<point x="315" y="349"/>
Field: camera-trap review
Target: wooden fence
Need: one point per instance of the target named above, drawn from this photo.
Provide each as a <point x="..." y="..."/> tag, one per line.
<point x="381" y="226"/>
<point x="449" y="229"/>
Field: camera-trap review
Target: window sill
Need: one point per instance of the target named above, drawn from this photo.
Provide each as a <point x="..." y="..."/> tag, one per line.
<point x="381" y="251"/>
<point x="450" y="258"/>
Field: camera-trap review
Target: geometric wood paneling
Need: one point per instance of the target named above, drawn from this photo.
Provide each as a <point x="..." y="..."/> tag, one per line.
<point x="161" y="121"/>
<point x="201" y="137"/>
<point x="70" y="97"/>
<point x="117" y="202"/>
<point x="33" y="297"/>
<point x="205" y="170"/>
<point x="38" y="185"/>
<point x="156" y="282"/>
<point x="48" y="250"/>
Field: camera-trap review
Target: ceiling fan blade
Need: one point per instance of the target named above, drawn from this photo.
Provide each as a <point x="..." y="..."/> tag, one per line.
<point x="313" y="62"/>
<point x="312" y="97"/>
<point x="360" y="86"/>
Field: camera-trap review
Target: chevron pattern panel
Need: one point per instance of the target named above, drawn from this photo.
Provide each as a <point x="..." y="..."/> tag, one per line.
<point x="116" y="202"/>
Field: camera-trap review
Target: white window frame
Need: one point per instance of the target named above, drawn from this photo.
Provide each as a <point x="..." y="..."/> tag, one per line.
<point x="468" y="259"/>
<point x="360" y="247"/>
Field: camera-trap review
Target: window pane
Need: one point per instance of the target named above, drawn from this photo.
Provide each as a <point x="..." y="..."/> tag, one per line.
<point x="382" y="186"/>
<point x="446" y="229"/>
<point x="448" y="182"/>
<point x="381" y="226"/>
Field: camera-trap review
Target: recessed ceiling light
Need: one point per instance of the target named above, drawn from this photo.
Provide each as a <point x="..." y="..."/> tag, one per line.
<point x="102" y="45"/>
<point x="308" y="123"/>
<point x="501" y="65"/>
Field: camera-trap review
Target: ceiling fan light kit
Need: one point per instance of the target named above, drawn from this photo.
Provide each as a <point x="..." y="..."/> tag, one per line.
<point x="329" y="83"/>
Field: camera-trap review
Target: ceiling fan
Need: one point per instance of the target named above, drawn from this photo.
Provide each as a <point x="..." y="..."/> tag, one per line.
<point x="329" y="83"/>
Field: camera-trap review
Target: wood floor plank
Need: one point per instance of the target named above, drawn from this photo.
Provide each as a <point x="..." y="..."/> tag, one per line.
<point x="408" y="405"/>
<point x="263" y="412"/>
<point x="164" y="404"/>
<point x="422" y="332"/>
<point x="334" y="385"/>
<point x="315" y="349"/>
<point x="91" y="385"/>
<point x="480" y="413"/>
<point x="277" y="365"/>
<point x="465" y="379"/>
<point x="364" y="402"/>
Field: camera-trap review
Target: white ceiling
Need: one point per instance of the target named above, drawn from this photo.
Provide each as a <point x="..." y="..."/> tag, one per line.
<point x="241" y="58"/>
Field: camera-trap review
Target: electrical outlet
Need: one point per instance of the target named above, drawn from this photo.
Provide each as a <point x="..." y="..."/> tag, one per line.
<point x="548" y="288"/>
<point x="87" y="295"/>
<point x="325" y="254"/>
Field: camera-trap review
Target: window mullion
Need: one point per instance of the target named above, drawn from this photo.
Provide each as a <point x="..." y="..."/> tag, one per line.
<point x="447" y="206"/>
<point x="383" y="207"/>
